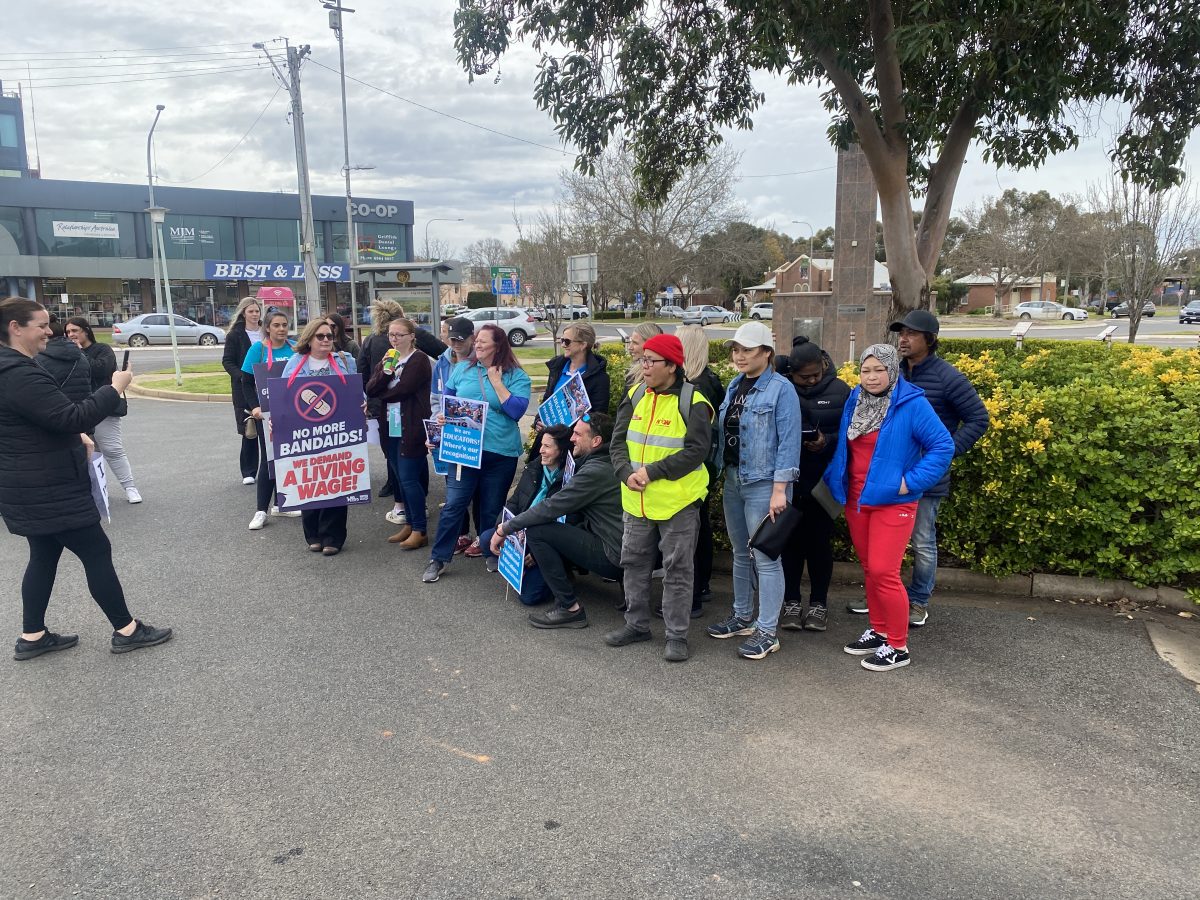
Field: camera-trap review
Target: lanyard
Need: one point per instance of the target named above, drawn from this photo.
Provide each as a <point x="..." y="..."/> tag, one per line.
<point x="270" y="355"/>
<point x="332" y="364"/>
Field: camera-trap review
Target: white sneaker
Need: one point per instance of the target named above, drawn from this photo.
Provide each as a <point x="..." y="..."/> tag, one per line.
<point x="259" y="520"/>
<point x="285" y="514"/>
<point x="249" y="479"/>
<point x="133" y="495"/>
<point x="397" y="517"/>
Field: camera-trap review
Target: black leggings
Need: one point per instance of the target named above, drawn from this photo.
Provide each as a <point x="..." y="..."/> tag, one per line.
<point x="810" y="542"/>
<point x="95" y="552"/>
<point x="266" y="484"/>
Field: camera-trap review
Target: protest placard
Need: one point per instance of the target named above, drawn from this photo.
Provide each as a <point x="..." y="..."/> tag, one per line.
<point x="512" y="555"/>
<point x="263" y="373"/>
<point x="320" y="439"/>
<point x="567" y="405"/>
<point x="462" y="432"/>
<point x="99" y="485"/>
<point x="433" y="435"/>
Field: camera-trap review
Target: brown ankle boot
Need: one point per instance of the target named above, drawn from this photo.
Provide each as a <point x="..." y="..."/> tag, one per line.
<point x="415" y="541"/>
<point x="401" y="535"/>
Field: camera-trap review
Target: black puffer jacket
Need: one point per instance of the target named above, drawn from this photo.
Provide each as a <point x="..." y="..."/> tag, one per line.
<point x="822" y="405"/>
<point x="103" y="362"/>
<point x="44" y="482"/>
<point x="68" y="367"/>
<point x="595" y="379"/>
<point x="956" y="403"/>
<point x="237" y="345"/>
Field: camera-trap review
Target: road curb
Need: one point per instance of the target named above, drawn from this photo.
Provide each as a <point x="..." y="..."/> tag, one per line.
<point x="137" y="390"/>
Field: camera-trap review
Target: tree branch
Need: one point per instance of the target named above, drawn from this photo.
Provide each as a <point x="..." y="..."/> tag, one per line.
<point x="870" y="138"/>
<point x="943" y="182"/>
<point x="889" y="81"/>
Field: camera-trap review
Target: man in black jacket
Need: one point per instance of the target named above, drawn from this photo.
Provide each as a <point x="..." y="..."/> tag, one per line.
<point x="593" y="498"/>
<point x="957" y="404"/>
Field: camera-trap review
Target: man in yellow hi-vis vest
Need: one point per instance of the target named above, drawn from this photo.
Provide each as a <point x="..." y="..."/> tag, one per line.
<point x="662" y="436"/>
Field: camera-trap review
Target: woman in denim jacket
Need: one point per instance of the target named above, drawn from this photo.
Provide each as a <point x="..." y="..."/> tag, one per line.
<point x="759" y="428"/>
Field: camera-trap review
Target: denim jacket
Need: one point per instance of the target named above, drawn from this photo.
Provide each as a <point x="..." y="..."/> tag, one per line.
<point x="770" y="429"/>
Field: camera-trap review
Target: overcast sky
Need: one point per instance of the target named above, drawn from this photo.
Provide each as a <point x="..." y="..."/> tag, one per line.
<point x="88" y="130"/>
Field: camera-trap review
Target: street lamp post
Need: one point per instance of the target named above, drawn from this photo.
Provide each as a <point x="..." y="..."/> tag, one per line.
<point x="158" y="299"/>
<point x="335" y="22"/>
<point x="158" y="215"/>
<point x="430" y="222"/>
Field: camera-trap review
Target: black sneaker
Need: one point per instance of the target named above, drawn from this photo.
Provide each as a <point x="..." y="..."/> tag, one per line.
<point x="885" y="659"/>
<point x="758" y="645"/>
<point x="676" y="651"/>
<point x="867" y="644"/>
<point x="730" y="627"/>
<point x="47" y="643"/>
<point x="434" y="571"/>
<point x="858" y="607"/>
<point x="144" y="635"/>
<point x="918" y="615"/>
<point x="557" y="617"/>
<point x="816" y="619"/>
<point x="790" y="619"/>
<point x="626" y="634"/>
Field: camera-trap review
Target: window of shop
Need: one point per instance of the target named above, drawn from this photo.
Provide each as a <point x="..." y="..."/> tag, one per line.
<point x="272" y="240"/>
<point x="198" y="237"/>
<point x="101" y="301"/>
<point x="80" y="232"/>
<point x="8" y="130"/>
<point x="10" y="222"/>
<point x="377" y="242"/>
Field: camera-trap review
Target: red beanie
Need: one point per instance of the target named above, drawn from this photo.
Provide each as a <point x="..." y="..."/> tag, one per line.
<point x="667" y="346"/>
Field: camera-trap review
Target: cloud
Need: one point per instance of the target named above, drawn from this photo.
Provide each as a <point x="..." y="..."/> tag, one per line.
<point x="97" y="131"/>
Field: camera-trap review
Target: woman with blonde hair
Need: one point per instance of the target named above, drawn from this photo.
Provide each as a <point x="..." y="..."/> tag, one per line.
<point x="636" y="339"/>
<point x="245" y="330"/>
<point x="577" y="342"/>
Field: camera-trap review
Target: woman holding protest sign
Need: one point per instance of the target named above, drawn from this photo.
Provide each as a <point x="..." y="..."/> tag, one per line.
<point x="493" y="376"/>
<point x="577" y="358"/>
<point x="273" y="348"/>
<point x="401" y="382"/>
<point x="325" y="528"/>
<point x="244" y="333"/>
<point x="45" y="491"/>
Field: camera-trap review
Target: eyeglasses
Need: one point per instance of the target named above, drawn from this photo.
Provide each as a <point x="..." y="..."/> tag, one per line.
<point x="323" y="336"/>
<point x="399" y="334"/>
<point x="647" y="362"/>
<point x="567" y="342"/>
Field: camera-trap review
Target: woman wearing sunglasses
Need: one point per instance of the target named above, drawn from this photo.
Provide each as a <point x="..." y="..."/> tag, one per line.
<point x="577" y="357"/>
<point x="324" y="529"/>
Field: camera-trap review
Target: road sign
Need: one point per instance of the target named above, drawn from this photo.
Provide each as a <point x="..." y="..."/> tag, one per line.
<point x="639" y="297"/>
<point x="506" y="280"/>
<point x="582" y="269"/>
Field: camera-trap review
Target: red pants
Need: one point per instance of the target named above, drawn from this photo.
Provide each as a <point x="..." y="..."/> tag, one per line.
<point x="880" y="535"/>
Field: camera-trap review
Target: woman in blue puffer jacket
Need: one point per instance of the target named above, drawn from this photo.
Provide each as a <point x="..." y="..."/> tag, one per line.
<point x="892" y="448"/>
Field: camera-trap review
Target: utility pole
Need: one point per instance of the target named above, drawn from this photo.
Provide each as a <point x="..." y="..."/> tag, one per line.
<point x="308" y="241"/>
<point x="335" y="22"/>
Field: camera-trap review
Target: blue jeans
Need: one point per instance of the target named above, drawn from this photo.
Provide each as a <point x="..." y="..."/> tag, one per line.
<point x="534" y="590"/>
<point x="745" y="506"/>
<point x="492" y="479"/>
<point x="924" y="547"/>
<point x="412" y="486"/>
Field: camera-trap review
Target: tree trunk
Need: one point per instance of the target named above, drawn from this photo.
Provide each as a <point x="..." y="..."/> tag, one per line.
<point x="910" y="281"/>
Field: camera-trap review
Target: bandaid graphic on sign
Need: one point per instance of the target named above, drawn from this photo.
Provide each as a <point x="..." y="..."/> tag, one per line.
<point x="307" y="396"/>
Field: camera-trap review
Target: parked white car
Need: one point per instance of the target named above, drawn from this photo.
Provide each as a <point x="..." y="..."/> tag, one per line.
<point x="761" y="310"/>
<point x="1047" y="309"/>
<point x="154" y="328"/>
<point x="708" y="315"/>
<point x="516" y="321"/>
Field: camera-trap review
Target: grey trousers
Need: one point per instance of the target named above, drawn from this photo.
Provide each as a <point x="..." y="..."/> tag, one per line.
<point x="676" y="539"/>
<point x="109" y="443"/>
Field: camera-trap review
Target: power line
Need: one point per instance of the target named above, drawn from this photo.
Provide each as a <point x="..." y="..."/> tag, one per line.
<point x="88" y="82"/>
<point x="62" y="54"/>
<point x="786" y="174"/>
<point x="511" y="137"/>
<point x="257" y="119"/>
<point x="126" y="63"/>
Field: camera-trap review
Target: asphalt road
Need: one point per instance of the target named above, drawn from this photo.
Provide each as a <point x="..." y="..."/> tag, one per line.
<point x="333" y="728"/>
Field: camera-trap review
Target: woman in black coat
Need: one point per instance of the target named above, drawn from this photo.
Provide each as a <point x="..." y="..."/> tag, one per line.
<point x="45" y="486"/>
<point x="244" y="333"/>
<point x="822" y="397"/>
<point x="66" y="364"/>
<point x="577" y="342"/>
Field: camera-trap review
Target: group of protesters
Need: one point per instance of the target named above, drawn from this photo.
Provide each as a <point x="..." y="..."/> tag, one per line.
<point x="624" y="498"/>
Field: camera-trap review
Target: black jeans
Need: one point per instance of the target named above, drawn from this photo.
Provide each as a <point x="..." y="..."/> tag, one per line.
<point x="248" y="457"/>
<point x="704" y="554"/>
<point x="326" y="527"/>
<point x="95" y="552"/>
<point x="555" y="544"/>
<point x="266" y="484"/>
<point x="811" y="543"/>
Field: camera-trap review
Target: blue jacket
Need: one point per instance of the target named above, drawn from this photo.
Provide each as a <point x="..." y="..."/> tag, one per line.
<point x="913" y="444"/>
<point x="770" y="429"/>
<point x="956" y="403"/>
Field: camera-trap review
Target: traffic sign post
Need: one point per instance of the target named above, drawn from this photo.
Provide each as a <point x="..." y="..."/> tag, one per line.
<point x="506" y="281"/>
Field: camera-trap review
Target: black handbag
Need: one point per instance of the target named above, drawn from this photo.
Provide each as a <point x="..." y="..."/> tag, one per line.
<point x="769" y="537"/>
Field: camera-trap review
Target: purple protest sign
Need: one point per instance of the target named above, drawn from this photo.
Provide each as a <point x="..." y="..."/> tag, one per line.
<point x="319" y="435"/>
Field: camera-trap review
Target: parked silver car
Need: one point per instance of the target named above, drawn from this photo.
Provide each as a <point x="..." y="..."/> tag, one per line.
<point x="154" y="328"/>
<point x="708" y="315"/>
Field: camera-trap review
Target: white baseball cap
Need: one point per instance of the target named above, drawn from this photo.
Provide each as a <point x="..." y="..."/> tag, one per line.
<point x="751" y="335"/>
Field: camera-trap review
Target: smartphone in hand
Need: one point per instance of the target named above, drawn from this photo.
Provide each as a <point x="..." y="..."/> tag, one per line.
<point x="125" y="362"/>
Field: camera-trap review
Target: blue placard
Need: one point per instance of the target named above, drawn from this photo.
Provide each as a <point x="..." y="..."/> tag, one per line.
<point x="567" y="405"/>
<point x="433" y="435"/>
<point x="512" y="556"/>
<point x="462" y="432"/>
<point x="319" y="435"/>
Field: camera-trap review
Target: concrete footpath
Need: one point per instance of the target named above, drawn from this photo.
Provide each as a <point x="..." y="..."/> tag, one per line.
<point x="334" y="728"/>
